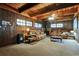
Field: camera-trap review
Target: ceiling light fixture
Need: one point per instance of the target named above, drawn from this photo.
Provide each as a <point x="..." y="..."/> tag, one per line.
<point x="52" y="17"/>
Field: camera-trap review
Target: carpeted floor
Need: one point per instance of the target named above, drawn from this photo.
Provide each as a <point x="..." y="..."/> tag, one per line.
<point x="42" y="48"/>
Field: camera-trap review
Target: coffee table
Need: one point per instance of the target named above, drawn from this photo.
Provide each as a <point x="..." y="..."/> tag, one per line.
<point x="56" y="37"/>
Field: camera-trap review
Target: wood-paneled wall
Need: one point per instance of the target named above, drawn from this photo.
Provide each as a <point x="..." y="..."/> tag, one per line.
<point x="7" y="35"/>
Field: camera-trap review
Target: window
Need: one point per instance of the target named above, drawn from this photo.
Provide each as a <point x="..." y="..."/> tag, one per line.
<point x="53" y="25"/>
<point x="20" y="22"/>
<point x="78" y="24"/>
<point x="75" y="23"/>
<point x="23" y="22"/>
<point x="0" y="26"/>
<point x="37" y="25"/>
<point x="59" y="25"/>
<point x="28" y="23"/>
<point x="6" y="23"/>
<point x="40" y="25"/>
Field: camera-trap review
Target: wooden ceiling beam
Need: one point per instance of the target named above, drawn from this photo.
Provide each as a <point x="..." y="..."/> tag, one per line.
<point x="61" y="12"/>
<point x="43" y="11"/>
<point x="39" y="11"/>
<point x="26" y="6"/>
<point x="10" y="7"/>
<point x="35" y="8"/>
<point x="51" y="7"/>
<point x="3" y="6"/>
<point x="15" y="5"/>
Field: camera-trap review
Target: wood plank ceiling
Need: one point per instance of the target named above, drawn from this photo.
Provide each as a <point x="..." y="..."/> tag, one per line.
<point x="43" y="10"/>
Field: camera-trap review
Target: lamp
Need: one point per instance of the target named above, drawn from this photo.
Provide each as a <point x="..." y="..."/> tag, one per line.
<point x="28" y="29"/>
<point x="73" y="32"/>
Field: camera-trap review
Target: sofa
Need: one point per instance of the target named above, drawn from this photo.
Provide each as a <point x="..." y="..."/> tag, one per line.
<point x="34" y="36"/>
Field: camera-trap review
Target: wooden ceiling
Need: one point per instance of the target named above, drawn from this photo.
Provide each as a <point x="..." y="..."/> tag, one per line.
<point x="41" y="11"/>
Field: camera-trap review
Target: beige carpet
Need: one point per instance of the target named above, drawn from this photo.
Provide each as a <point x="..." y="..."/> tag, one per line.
<point x="42" y="48"/>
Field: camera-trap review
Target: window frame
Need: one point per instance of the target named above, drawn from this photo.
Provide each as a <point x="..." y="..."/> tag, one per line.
<point x="29" y="22"/>
<point x="39" y="25"/>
